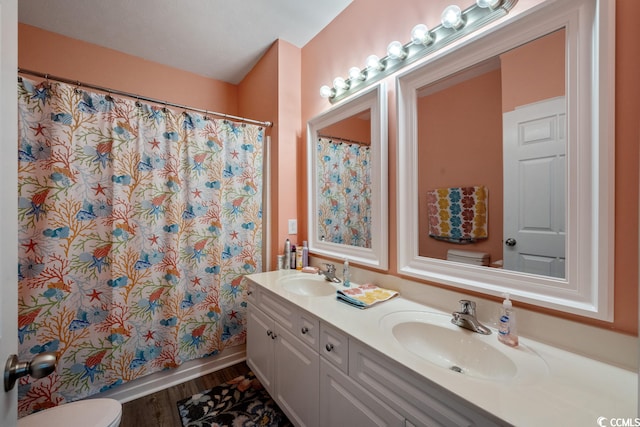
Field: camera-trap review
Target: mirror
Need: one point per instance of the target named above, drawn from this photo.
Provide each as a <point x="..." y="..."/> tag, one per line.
<point x="470" y="171"/>
<point x="347" y="148"/>
<point x="505" y="161"/>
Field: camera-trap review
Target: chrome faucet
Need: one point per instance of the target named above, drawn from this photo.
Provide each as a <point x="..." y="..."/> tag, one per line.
<point x="466" y="318"/>
<point x="329" y="273"/>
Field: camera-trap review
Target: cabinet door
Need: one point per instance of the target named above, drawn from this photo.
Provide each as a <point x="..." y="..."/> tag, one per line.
<point x="297" y="371"/>
<point x="260" y="345"/>
<point x="343" y="402"/>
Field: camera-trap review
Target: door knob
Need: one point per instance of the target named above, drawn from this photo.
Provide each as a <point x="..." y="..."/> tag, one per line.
<point x="40" y="366"/>
<point x="510" y="242"/>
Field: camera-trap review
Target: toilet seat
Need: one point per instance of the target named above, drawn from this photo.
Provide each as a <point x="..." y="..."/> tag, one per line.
<point x="85" y="413"/>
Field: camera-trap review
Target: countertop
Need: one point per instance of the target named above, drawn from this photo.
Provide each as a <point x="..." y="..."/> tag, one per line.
<point x="572" y="390"/>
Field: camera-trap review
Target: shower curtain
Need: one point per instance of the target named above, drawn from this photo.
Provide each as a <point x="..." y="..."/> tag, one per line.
<point x="136" y="224"/>
<point x="344" y="199"/>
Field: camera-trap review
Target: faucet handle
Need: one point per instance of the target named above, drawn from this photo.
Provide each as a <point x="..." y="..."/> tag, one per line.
<point x="467" y="307"/>
<point x="330" y="268"/>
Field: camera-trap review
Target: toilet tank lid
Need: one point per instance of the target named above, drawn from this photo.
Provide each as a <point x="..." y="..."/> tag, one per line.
<point x="94" y="413"/>
<point x="467" y="254"/>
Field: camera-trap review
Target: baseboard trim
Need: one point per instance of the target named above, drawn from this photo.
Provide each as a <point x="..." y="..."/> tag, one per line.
<point x="187" y="371"/>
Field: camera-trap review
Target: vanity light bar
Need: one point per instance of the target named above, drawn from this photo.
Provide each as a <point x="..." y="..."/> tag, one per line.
<point x="455" y="23"/>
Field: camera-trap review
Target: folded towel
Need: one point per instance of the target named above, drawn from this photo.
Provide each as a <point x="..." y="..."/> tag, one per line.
<point x="458" y="214"/>
<point x="364" y="296"/>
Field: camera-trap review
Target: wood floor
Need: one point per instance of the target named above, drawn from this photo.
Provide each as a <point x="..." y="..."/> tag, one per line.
<point x="160" y="410"/>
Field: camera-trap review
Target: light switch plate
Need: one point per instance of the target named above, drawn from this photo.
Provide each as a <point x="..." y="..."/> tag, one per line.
<point x="293" y="226"/>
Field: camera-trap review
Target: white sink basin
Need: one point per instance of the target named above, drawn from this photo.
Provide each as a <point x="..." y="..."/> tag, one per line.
<point x="432" y="337"/>
<point x="307" y="285"/>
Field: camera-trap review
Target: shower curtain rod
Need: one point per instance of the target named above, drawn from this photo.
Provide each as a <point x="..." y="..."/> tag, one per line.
<point x="348" y="141"/>
<point x="142" y="98"/>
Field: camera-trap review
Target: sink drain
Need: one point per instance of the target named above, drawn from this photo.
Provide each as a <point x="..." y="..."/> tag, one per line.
<point x="455" y="368"/>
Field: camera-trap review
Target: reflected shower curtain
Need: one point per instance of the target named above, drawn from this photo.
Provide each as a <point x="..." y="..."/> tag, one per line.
<point x="136" y="225"/>
<point x="344" y="199"/>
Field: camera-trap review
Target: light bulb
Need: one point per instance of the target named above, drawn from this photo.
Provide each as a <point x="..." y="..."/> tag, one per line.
<point x="491" y="4"/>
<point x="420" y="35"/>
<point x="355" y="74"/>
<point x="395" y="50"/>
<point x="340" y="84"/>
<point x="452" y="17"/>
<point x="327" y="92"/>
<point x="373" y="62"/>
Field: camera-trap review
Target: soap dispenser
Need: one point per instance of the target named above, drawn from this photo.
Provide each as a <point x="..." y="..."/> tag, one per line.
<point x="507" y="332"/>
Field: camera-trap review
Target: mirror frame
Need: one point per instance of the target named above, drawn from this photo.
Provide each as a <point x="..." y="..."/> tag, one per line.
<point x="587" y="289"/>
<point x="375" y="100"/>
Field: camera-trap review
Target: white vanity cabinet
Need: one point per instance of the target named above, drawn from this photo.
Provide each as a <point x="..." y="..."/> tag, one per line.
<point x="321" y="376"/>
<point x="287" y="366"/>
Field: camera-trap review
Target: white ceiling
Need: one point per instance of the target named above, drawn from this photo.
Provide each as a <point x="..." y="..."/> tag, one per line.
<point x="221" y="39"/>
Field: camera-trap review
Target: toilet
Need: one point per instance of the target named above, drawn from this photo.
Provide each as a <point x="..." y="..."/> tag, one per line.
<point x="85" y="413"/>
<point x="469" y="257"/>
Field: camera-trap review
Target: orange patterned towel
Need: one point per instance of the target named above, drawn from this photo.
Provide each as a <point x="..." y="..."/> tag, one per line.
<point x="365" y="296"/>
<point x="458" y="214"/>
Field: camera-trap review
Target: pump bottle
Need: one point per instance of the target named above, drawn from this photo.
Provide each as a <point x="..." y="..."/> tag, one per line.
<point x="346" y="274"/>
<point x="507" y="331"/>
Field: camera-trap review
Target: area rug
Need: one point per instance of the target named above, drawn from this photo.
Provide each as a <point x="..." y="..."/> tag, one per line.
<point x="240" y="402"/>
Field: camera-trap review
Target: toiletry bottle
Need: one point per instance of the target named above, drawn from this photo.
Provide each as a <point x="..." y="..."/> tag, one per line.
<point x="292" y="264"/>
<point x="305" y="254"/>
<point x="507" y="332"/>
<point x="299" y="259"/>
<point x="346" y="274"/>
<point x="287" y="254"/>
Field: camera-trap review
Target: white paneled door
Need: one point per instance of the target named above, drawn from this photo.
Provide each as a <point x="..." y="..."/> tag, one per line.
<point x="535" y="188"/>
<point x="8" y="200"/>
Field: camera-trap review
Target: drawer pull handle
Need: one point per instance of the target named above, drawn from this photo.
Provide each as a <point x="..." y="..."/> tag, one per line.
<point x="329" y="347"/>
<point x="304" y="330"/>
<point x="269" y="332"/>
<point x="274" y="336"/>
<point x="249" y="292"/>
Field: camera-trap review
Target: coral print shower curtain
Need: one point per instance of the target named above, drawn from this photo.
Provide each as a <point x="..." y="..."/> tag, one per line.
<point x="136" y="225"/>
<point x="344" y="200"/>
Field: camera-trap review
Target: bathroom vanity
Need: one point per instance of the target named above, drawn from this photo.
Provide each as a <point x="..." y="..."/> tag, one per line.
<point x="401" y="363"/>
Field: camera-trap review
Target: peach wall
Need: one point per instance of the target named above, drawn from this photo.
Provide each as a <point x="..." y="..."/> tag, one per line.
<point x="536" y="69"/>
<point x="51" y="53"/>
<point x="258" y="97"/>
<point x="272" y="90"/>
<point x="369" y="25"/>
<point x="460" y="145"/>
<point x="353" y="128"/>
<point x="290" y="140"/>
<point x="627" y="152"/>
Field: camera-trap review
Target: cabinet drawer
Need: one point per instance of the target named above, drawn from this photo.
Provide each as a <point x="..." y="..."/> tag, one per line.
<point x="422" y="402"/>
<point x="252" y="292"/>
<point x="334" y="346"/>
<point x="308" y="330"/>
<point x="282" y="312"/>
